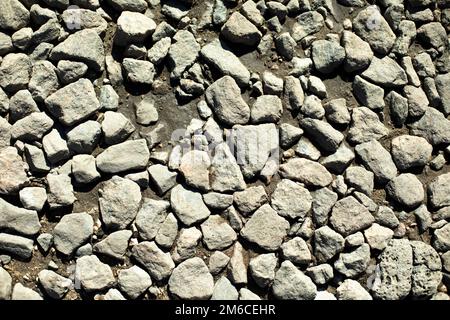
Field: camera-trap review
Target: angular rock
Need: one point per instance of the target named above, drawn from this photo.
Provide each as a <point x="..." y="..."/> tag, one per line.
<point x="18" y="220"/>
<point x="349" y="216"/>
<point x="385" y="72"/>
<point x="93" y="275"/>
<point x="327" y="55"/>
<point x="133" y="27"/>
<point x="410" y="152"/>
<point x="182" y="53"/>
<point x="438" y="191"/>
<point x="225" y="174"/>
<point x="156" y="262"/>
<point x="306" y="171"/>
<point x="72" y="231"/>
<point x="116" y="158"/>
<point x="432" y="126"/>
<point x="12" y="171"/>
<point x="162" y="178"/>
<point x="365" y="126"/>
<point x="114" y="245"/>
<point x="134" y="281"/>
<point x="292" y="284"/>
<point x="406" y="189"/>
<point x="60" y="191"/>
<point x="291" y="200"/>
<point x="15" y="71"/>
<point x="239" y="30"/>
<point x="353" y="263"/>
<point x="188" y="205"/>
<point x="262" y="269"/>
<point x="17" y="246"/>
<point x="54" y="285"/>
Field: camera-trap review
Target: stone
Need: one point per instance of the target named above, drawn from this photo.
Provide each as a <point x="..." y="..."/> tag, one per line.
<point x="217" y="262"/>
<point x="15" y="72"/>
<point x="225" y="174"/>
<point x="84" y="169"/>
<point x="116" y="127"/>
<point x="262" y="269"/>
<point x="33" y="198"/>
<point x="72" y="231"/>
<point x="138" y="71"/>
<point x="109" y="99"/>
<point x="378" y="236"/>
<point x="410" y="152"/>
<point x="296" y="251"/>
<point x="371" y="26"/>
<point x="293" y="92"/>
<point x="84" y="137"/>
<point x="36" y="159"/>
<point x="146" y="112"/>
<point x="133" y="27"/>
<point x="442" y="82"/>
<point x="6" y="45"/>
<point x="441" y="241"/>
<point x="55" y="147"/>
<point x="272" y="84"/>
<point x="438" y="191"/>
<point x="93" y="275"/>
<point x="432" y="34"/>
<point x="133" y="281"/>
<point x="336" y="111"/>
<point x="323" y="200"/>
<point x="116" y="158"/>
<point x="237" y="267"/>
<point x="306" y="171"/>
<point x="323" y="133"/>
<point x="60" y="191"/>
<point x="349" y="216"/>
<point x="23" y="293"/>
<point x="185" y="244"/>
<point x="365" y="126"/>
<point x="114" y="245"/>
<point x="289" y="135"/>
<point x="285" y="45"/>
<point x="385" y="72"/>
<point x="55" y="286"/>
<point x="167" y="232"/>
<point x="150" y="217"/>
<point x="250" y="199"/>
<point x="327" y="55"/>
<point x="194" y="167"/>
<point x="85" y="18"/>
<point x="283" y="202"/>
<point x="218" y="201"/>
<point x="119" y="201"/>
<point x="340" y="160"/>
<point x="219" y="57"/>
<point x="239" y="30"/>
<point x="157" y="53"/>
<point x="368" y="94"/>
<point x="224" y="98"/>
<point x="377" y="159"/>
<point x="306" y="24"/>
<point x="217" y="233"/>
<point x="393" y="280"/>
<point x="14" y="15"/>
<point x="327" y="243"/>
<point x="188" y="205"/>
<point x="360" y="179"/>
<point x="128" y="5"/>
<point x="267" y="108"/>
<point x="306" y="149"/>
<point x="182" y="53"/>
<point x="162" y="178"/>
<point x="17" y="246"/>
<point x="432" y="126"/>
<point x="417" y="100"/>
<point x="5" y="284"/>
<point x="12" y="171"/>
<point x="155" y="261"/>
<point x="292" y="284"/>
<point x="358" y="52"/>
<point x="265" y="228"/>
<point x="353" y="263"/>
<point x="19" y="220"/>
<point x="224" y="290"/>
<point x="352" y="290"/>
<point x="406" y="189"/>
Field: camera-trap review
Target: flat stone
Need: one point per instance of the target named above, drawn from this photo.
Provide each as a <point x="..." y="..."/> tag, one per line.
<point x="365" y="126"/>
<point x="19" y="220"/>
<point x="33" y="198"/>
<point x="5" y="284"/>
<point x="368" y="94"/>
<point x="17" y="246"/>
<point x="327" y="138"/>
<point x="84" y="137"/>
<point x="224" y="290"/>
<point x="138" y="71"/>
<point x="385" y="72"/>
<point x="182" y="53"/>
<point x="162" y="178"/>
<point x="307" y="23"/>
<point x="54" y="285"/>
<point x="306" y="171"/>
<point x="114" y="245"/>
<point x="72" y="231"/>
<point x="156" y="262"/>
<point x="225" y="174"/>
<point x="167" y="232"/>
<point x="116" y="158"/>
<point x="188" y="205"/>
<point x="194" y="166"/>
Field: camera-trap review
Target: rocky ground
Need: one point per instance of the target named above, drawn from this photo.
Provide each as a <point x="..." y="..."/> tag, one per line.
<point x="224" y="149"/>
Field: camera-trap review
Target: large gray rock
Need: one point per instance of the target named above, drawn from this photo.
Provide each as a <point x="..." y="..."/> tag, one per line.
<point x="353" y="263"/>
<point x="442" y="82"/>
<point x="22" y="293"/>
<point x="292" y="284"/>
<point x="119" y="201"/>
<point x="432" y="126"/>
<point x="186" y="243"/>
<point x="296" y="251"/>
<point x="393" y="279"/>
<point x="83" y="46"/>
<point x="306" y="171"/>
<point x="224" y="98"/>
<point x="60" y="191"/>
<point x="250" y="199"/>
<point x="156" y="262"/>
<point x="85" y="18"/>
<point x="410" y="151"/>
<point x="327" y="55"/>
<point x="358" y="52"/>
<point x="291" y="200"/>
<point x="217" y="233"/>
<point x="262" y="269"/>
<point x="150" y="217"/>
<point x="191" y="280"/>
<point x="438" y="191"/>
<point x="224" y="290"/>
<point x="15" y="71"/>
<point x="13" y="15"/>
<point x="366" y="126"/>
<point x="72" y="232"/>
<point x="371" y="26"/>
<point x="426" y="274"/>
<point x="133" y="27"/>
<point x="5" y="284"/>
<point x="73" y="103"/>
<point x="84" y="137"/>
<point x="117" y="158"/>
<point x="321" y="132"/>
<point x="54" y="285"/>
<point x="385" y="72"/>
<point x="327" y="243"/>
<point x="139" y="71"/>
<point x="349" y="216"/>
<point x="194" y="166"/>
<point x="43" y="81"/>
<point x="182" y="53"/>
<point x="217" y="56"/>
<point x="12" y="171"/>
<point x="307" y="23"/>
<point x="368" y="94"/>
<point x="16" y="246"/>
<point x="238" y="29"/>
<point x="116" y="127"/>
<point x="266" y="228"/>
<point x="19" y="220"/>
<point x="114" y="245"/>
<point x="134" y="281"/>
<point x="188" y="205"/>
<point x="406" y="189"/>
<point x="93" y="275"/>
<point x="377" y="159"/>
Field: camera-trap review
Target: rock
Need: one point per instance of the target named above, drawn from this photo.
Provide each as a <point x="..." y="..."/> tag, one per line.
<point x="289" y="135"/>
<point x="134" y="281"/>
<point x="307" y="23"/>
<point x="194" y="167"/>
<point x="60" y="191"/>
<point x="437" y="191"/>
<point x="293" y="92"/>
<point x="306" y="171"/>
<point x="162" y="178"/>
<point x="5" y="133"/>
<point x="84" y="137"/>
<point x="377" y="159"/>
<point x="114" y="245"/>
<point x="320" y="274"/>
<point x="385" y="72"/>
<point x="32" y="127"/>
<point x="12" y="171"/>
<point x="156" y="262"/>
<point x="323" y="133"/>
<point x="327" y="55"/>
<point x="138" y="71"/>
<point x="146" y="112"/>
<point x="441" y="240"/>
<point x="116" y="127"/>
<point x="119" y="201"/>
<point x="349" y="216"/>
<point x="410" y="152"/>
<point x="354" y="263"/>
<point x="84" y="169"/>
<point x="368" y="94"/>
<point x="73" y="103"/>
<point x="443" y="82"/>
<point x="168" y="232"/>
<point x="72" y="231"/>
<point x="71" y="71"/>
<point x="426" y="275"/>
<point x="19" y="220"/>
<point x="237" y="267"/>
<point x="93" y="275"/>
<point x="358" y="52"/>
<point x="371" y="26"/>
<point x="128" y="5"/>
<point x="283" y="196"/>
<point x="191" y="280"/>
<point x="224" y="98"/>
<point x="15" y="72"/>
<point x="432" y="126"/>
<point x="239" y="30"/>
<point x="23" y="293"/>
<point x="398" y="106"/>
<point x="83" y="46"/>
<point x="352" y="290"/>
<point x="21" y="105"/>
<point x="393" y="280"/>
<point x="150" y="217"/>
<point x="133" y="27"/>
<point x="14" y="15"/>
<point x="188" y="205"/>
<point x="267" y="108"/>
<point x="86" y="19"/>
<point x="336" y="111"/>
<point x="5" y="284"/>
<point x="262" y="269"/>
<point x="417" y="100"/>
<point x="217" y="262"/>
<point x="378" y="237"/>
<point x="285" y="45"/>
<point x="291" y="284"/>
<point x="217" y="233"/>
<point x="6" y="45"/>
<point x="224" y="290"/>
<point x="250" y="199"/>
<point x="433" y="34"/>
<point x="112" y="295"/>
<point x="182" y="53"/>
<point x="225" y="173"/>
<point x="327" y="243"/>
<point x="54" y="285"/>
<point x="365" y="126"/>
<point x="219" y="201"/>
<point x="116" y="158"/>
<point x="219" y="57"/>
<point x="158" y="52"/>
<point x="55" y="147"/>
<point x="323" y="200"/>
<point x="296" y="251"/>
<point x="360" y="179"/>
<point x="17" y="246"/>
<point x="272" y="84"/>
<point x="406" y="189"/>
<point x="33" y="198"/>
<point x="340" y="160"/>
